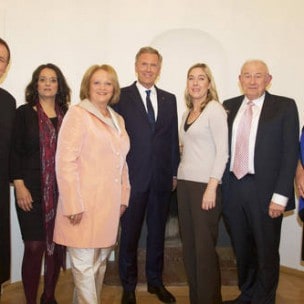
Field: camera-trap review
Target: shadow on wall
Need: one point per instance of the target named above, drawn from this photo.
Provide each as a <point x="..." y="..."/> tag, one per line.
<point x="181" y="48"/>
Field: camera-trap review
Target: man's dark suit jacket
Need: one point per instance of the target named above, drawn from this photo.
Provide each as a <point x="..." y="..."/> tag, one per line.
<point x="7" y="114"/>
<point x="153" y="157"/>
<point x="276" y="147"/>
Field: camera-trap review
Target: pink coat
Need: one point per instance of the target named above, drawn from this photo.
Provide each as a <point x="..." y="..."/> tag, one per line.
<point x="92" y="176"/>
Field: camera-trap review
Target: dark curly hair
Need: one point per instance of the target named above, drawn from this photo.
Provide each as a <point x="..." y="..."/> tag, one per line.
<point x="63" y="96"/>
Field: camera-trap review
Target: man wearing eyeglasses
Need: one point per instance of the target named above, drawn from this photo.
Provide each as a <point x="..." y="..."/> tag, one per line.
<point x="258" y="182"/>
<point x="7" y="113"/>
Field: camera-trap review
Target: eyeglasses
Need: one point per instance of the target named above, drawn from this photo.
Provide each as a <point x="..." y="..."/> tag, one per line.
<point x="255" y="76"/>
<point x="3" y="60"/>
<point x="47" y="79"/>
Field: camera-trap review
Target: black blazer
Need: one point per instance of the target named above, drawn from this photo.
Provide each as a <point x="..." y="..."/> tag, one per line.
<point x="7" y="114"/>
<point x="153" y="156"/>
<point x="276" y="147"/>
<point x="25" y="154"/>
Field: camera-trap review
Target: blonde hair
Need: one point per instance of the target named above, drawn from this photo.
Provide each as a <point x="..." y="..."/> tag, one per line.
<point x="212" y="92"/>
<point x="85" y="83"/>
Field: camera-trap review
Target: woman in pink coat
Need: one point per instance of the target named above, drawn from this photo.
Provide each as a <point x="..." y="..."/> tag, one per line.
<point x="93" y="180"/>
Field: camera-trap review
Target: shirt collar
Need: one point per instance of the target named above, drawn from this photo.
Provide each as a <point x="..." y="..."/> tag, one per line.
<point x="143" y="90"/>
<point x="91" y="108"/>
<point x="257" y="102"/>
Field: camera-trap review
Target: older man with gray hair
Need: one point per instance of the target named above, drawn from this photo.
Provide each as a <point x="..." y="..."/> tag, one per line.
<point x="258" y="182"/>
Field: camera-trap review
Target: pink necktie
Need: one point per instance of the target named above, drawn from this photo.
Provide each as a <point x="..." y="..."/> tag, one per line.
<point x="241" y="153"/>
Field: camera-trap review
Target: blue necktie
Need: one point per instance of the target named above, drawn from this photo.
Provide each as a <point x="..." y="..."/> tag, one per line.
<point x="150" y="111"/>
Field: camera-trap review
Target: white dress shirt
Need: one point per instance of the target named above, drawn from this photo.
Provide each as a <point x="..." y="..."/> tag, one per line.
<point x="153" y="96"/>
<point x="256" y="108"/>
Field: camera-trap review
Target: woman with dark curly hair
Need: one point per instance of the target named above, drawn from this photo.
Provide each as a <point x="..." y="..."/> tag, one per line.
<point x="33" y="173"/>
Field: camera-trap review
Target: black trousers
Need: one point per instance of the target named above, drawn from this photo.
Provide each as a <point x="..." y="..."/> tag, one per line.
<point x="153" y="205"/>
<point x="255" y="238"/>
<point x="4" y="230"/>
<point x="199" y="232"/>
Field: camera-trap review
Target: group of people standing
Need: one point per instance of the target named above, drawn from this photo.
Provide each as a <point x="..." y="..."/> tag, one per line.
<point x="113" y="160"/>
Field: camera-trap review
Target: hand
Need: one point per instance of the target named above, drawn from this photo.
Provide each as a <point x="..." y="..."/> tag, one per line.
<point x="299" y="180"/>
<point x="275" y="210"/>
<point x="23" y="195"/>
<point x="75" y="218"/>
<point x="123" y="208"/>
<point x="181" y="147"/>
<point x="174" y="183"/>
<point x="209" y="198"/>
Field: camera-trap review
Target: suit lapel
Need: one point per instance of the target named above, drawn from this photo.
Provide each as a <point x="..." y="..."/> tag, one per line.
<point x="266" y="112"/>
<point x="161" y="111"/>
<point x="138" y="102"/>
<point x="232" y="111"/>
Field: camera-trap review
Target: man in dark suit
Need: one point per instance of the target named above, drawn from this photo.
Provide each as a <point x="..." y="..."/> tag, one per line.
<point x="258" y="182"/>
<point x="7" y="113"/>
<point x="151" y="121"/>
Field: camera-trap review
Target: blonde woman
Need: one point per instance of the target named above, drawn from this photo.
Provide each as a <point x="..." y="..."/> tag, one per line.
<point x="204" y="142"/>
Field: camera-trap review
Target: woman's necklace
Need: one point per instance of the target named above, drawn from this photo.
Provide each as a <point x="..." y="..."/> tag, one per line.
<point x="193" y="115"/>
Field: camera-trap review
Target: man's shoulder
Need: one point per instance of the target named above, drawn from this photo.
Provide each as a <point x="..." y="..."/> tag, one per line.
<point x="24" y="109"/>
<point x="128" y="88"/>
<point x="164" y="92"/>
<point x="8" y="97"/>
<point x="279" y="98"/>
<point x="233" y="101"/>
<point x="128" y="92"/>
<point x="283" y="104"/>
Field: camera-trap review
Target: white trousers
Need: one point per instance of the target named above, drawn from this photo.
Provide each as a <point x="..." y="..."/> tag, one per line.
<point x="88" y="268"/>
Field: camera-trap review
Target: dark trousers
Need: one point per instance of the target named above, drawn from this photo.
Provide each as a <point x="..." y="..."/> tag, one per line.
<point x="199" y="232"/>
<point x="255" y="239"/>
<point x="155" y="206"/>
<point x="4" y="230"/>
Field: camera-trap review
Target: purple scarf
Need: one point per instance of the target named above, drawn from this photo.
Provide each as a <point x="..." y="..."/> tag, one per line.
<point x="48" y="143"/>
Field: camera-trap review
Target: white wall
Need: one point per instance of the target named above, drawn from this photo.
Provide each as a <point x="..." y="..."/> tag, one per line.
<point x="75" y="34"/>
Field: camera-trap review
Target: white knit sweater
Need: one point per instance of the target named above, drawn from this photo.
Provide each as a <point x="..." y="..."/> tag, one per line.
<point x="204" y="145"/>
